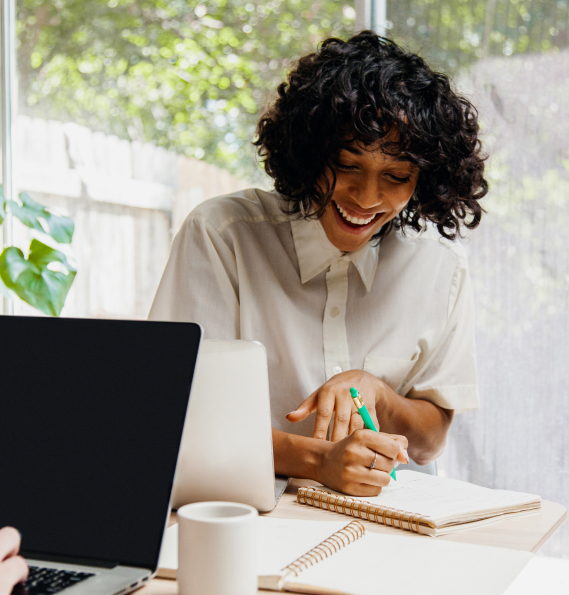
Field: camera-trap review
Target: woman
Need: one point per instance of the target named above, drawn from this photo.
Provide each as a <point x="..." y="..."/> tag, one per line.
<point x="13" y="568"/>
<point x="337" y="273"/>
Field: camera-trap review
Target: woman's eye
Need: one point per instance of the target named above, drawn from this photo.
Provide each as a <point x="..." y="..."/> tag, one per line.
<point x="398" y="179"/>
<point x="346" y="167"/>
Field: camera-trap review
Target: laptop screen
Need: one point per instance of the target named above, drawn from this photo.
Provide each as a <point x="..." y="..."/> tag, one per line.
<point x="91" y="418"/>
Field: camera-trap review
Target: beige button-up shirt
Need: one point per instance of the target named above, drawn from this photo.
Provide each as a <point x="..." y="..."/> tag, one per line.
<point x="402" y="310"/>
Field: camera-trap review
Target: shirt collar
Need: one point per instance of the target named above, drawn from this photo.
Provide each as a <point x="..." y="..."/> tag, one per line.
<point x="316" y="253"/>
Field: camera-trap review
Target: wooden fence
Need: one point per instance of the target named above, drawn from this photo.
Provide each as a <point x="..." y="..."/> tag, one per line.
<point x="127" y="200"/>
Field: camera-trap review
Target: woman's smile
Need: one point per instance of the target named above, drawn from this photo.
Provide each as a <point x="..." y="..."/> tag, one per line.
<point x="353" y="222"/>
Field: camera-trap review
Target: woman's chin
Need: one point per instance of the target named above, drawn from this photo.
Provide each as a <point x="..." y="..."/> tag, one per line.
<point x="347" y="237"/>
<point x="348" y="242"/>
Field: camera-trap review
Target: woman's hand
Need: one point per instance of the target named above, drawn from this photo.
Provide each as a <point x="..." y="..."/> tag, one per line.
<point x="346" y="464"/>
<point x="334" y="396"/>
<point x="13" y="568"/>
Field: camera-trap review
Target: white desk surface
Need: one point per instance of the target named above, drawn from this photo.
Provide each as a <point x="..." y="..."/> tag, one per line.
<point x="525" y="533"/>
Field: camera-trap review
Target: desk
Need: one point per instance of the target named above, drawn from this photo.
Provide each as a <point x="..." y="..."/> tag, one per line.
<point x="526" y="533"/>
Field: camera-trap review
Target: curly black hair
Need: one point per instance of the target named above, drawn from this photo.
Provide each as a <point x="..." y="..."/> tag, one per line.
<point x="358" y="91"/>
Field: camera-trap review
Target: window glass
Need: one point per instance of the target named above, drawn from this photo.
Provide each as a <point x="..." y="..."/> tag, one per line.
<point x="132" y="111"/>
<point x="511" y="59"/>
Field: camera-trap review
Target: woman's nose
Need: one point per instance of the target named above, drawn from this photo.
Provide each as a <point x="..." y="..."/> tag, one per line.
<point x="370" y="195"/>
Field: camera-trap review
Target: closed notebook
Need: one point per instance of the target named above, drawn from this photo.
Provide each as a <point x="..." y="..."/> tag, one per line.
<point x="427" y="504"/>
<point x="339" y="558"/>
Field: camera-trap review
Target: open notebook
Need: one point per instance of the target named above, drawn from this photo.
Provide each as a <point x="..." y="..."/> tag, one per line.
<point x="339" y="558"/>
<point x="427" y="504"/>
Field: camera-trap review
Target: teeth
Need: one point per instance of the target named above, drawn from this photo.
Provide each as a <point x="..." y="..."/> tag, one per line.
<point x="355" y="220"/>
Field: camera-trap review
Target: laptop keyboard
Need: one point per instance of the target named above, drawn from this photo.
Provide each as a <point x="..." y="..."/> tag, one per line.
<point x="47" y="581"/>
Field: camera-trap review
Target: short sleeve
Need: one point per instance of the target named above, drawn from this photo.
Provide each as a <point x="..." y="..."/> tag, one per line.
<point x="200" y="283"/>
<point x="448" y="376"/>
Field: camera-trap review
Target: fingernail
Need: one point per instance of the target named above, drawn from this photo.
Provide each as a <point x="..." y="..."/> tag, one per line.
<point x="406" y="456"/>
<point x="290" y="413"/>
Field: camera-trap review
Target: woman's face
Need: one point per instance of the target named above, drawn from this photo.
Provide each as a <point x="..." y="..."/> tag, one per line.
<point x="371" y="189"/>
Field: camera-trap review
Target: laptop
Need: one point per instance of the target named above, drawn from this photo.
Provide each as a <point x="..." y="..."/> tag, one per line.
<point x="91" y="417"/>
<point x="227" y="449"/>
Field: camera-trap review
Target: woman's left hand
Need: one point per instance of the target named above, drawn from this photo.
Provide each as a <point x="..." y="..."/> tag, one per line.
<point x="334" y="397"/>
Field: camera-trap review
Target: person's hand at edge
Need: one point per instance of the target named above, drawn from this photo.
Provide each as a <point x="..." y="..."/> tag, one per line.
<point x="13" y="568"/>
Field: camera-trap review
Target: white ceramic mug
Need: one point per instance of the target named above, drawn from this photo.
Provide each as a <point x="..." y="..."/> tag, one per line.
<point x="217" y="549"/>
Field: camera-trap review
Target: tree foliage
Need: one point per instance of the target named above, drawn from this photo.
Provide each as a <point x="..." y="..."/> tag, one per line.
<point x="456" y="33"/>
<point x="185" y="75"/>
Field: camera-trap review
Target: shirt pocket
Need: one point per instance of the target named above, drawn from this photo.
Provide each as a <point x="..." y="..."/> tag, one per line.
<point x="391" y="371"/>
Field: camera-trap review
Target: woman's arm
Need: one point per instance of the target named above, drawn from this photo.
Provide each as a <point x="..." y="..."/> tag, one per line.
<point x="424" y="424"/>
<point x="343" y="465"/>
<point x="13" y="568"/>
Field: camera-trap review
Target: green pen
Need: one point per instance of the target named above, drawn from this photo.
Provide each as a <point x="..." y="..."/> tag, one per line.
<point x="368" y="422"/>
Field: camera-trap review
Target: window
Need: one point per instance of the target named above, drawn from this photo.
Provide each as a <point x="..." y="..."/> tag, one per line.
<point x="132" y="112"/>
<point x="511" y="59"/>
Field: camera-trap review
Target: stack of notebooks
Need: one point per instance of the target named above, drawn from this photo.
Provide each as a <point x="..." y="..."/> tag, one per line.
<point x="341" y="558"/>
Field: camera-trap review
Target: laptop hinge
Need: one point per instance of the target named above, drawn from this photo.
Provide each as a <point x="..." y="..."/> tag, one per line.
<point x="69" y="560"/>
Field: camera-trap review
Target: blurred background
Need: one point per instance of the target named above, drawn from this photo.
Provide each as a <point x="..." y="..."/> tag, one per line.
<point x="131" y="112"/>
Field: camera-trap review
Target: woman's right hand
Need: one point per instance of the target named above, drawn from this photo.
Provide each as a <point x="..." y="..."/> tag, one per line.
<point x="13" y="568"/>
<point x="346" y="464"/>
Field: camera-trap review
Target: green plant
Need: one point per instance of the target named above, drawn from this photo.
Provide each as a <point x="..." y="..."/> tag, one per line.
<point x="43" y="278"/>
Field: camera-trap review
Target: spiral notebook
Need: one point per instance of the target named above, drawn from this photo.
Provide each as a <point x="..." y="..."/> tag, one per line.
<point x="339" y="558"/>
<point x="427" y="504"/>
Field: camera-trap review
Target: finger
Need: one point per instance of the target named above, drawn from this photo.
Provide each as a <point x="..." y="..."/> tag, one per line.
<point x="9" y="542"/>
<point x="380" y="463"/>
<point x="372" y="483"/>
<point x="342" y="417"/>
<point x="307" y="407"/>
<point x="402" y="455"/>
<point x="375" y="477"/>
<point x="383" y="444"/>
<point x="14" y="570"/>
<point x="356" y="422"/>
<point x="324" y="409"/>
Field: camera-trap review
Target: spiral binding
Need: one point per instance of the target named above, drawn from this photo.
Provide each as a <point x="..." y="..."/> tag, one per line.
<point x="329" y="546"/>
<point x="385" y="515"/>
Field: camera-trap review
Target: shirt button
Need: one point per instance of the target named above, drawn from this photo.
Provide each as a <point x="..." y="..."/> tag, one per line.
<point x="336" y="369"/>
<point x="334" y="312"/>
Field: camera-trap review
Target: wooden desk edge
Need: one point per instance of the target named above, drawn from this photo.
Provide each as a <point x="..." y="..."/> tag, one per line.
<point x="554" y="528"/>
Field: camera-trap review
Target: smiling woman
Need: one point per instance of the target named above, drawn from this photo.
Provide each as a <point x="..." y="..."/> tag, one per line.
<point x="385" y="117"/>
<point x="363" y="142"/>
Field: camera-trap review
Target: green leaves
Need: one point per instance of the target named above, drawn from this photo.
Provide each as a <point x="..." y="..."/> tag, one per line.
<point x="189" y="75"/>
<point x="42" y="280"/>
<point x="36" y="216"/>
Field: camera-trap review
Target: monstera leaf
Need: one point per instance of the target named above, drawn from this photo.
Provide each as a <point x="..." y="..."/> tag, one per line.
<point x="38" y="217"/>
<point x="42" y="280"/>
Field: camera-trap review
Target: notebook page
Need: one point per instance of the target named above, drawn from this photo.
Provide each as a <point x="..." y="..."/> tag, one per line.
<point x="446" y="500"/>
<point x="379" y="564"/>
<point x="282" y="541"/>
